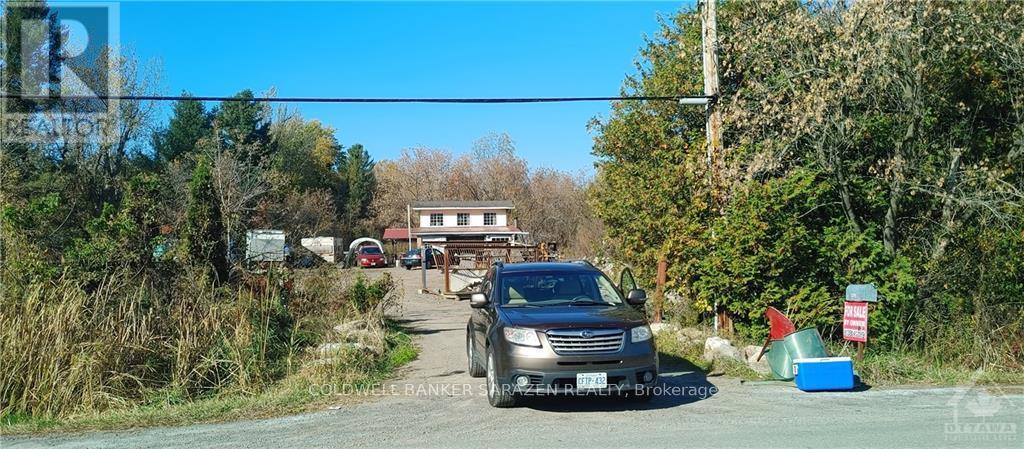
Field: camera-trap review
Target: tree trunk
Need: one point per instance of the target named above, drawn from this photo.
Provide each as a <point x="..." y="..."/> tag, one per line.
<point x="844" y="193"/>
<point x="889" y="236"/>
<point x="949" y="186"/>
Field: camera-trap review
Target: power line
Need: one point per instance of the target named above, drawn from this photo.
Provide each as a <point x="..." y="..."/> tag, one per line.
<point x="356" y="99"/>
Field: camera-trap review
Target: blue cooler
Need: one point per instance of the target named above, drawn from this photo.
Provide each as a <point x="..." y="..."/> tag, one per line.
<point x="823" y="373"/>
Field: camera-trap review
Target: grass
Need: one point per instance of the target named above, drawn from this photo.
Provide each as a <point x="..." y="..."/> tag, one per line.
<point x="889" y="369"/>
<point x="122" y="355"/>
<point x="288" y="396"/>
<point x="671" y="344"/>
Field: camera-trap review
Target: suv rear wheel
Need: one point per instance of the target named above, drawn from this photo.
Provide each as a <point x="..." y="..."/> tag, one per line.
<point x="497" y="395"/>
<point x="475" y="368"/>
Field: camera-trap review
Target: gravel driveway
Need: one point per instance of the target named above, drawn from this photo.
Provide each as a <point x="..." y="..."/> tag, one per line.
<point x="436" y="404"/>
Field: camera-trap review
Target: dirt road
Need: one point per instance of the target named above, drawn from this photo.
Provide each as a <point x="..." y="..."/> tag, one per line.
<point x="436" y="404"/>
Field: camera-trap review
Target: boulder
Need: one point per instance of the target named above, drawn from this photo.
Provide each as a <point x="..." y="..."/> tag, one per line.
<point x="329" y="349"/>
<point x="356" y="332"/>
<point x="658" y="328"/>
<point x="720" y="348"/>
<point x="350" y="326"/>
<point x="750" y="352"/>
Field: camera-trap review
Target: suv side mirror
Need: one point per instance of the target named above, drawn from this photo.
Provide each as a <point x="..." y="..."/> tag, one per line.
<point x="478" y="301"/>
<point x="636" y="296"/>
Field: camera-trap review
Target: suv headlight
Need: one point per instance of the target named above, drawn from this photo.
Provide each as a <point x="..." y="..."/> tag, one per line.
<point x="639" y="334"/>
<point x="520" y="336"/>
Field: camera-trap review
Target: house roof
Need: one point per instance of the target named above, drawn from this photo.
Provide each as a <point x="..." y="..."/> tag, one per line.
<point x="465" y="230"/>
<point x="396" y="234"/>
<point x="418" y="205"/>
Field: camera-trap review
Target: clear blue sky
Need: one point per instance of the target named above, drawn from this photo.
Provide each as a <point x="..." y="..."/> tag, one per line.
<point x="391" y="49"/>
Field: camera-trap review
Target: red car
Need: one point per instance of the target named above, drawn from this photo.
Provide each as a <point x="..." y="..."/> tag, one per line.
<point x="371" y="256"/>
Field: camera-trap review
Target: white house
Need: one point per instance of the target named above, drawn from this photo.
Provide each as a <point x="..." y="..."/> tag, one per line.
<point x="447" y="221"/>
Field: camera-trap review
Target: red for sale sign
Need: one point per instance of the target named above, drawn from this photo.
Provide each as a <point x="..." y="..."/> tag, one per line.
<point x="855" y="321"/>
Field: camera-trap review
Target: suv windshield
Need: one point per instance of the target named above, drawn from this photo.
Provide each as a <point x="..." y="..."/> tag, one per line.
<point x="557" y="289"/>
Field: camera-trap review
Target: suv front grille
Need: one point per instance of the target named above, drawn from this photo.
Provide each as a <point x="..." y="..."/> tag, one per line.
<point x="586" y="341"/>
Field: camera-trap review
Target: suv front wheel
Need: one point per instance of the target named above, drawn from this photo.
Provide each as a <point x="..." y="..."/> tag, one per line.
<point x="497" y="395"/>
<point x="475" y="368"/>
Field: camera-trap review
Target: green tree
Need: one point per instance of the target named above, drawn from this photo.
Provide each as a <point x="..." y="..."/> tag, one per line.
<point x="120" y="240"/>
<point x="357" y="186"/>
<point x="187" y="126"/>
<point x="864" y="142"/>
<point x="244" y="128"/>
<point x="203" y="233"/>
<point x="305" y="153"/>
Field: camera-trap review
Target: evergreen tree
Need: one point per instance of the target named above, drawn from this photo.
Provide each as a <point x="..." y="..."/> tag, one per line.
<point x="204" y="231"/>
<point x="244" y="128"/>
<point x="356" y="172"/>
<point x="189" y="124"/>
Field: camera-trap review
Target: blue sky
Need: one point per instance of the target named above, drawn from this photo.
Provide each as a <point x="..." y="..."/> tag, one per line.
<point x="423" y="49"/>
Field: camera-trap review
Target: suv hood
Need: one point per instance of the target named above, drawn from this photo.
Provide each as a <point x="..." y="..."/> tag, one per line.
<point x="569" y="317"/>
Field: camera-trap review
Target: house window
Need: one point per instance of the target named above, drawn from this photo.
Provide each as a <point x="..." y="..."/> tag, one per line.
<point x="462" y="220"/>
<point x="490" y="218"/>
<point x="436" y="219"/>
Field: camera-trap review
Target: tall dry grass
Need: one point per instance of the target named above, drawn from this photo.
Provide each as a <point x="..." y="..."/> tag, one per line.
<point x="65" y="350"/>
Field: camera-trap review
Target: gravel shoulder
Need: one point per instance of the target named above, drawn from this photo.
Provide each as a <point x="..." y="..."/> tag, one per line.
<point x="434" y="403"/>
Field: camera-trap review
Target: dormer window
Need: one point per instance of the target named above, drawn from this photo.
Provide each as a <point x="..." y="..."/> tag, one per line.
<point x="437" y="219"/>
<point x="490" y="218"/>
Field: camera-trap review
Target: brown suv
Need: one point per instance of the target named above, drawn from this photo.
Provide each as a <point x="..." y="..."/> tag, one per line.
<point x="559" y="327"/>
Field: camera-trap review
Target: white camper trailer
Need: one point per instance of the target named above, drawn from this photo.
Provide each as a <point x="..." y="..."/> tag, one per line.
<point x="327" y="248"/>
<point x="265" y="245"/>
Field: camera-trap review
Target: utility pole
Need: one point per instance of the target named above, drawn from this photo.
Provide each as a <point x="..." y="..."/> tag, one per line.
<point x="713" y="124"/>
<point x="713" y="117"/>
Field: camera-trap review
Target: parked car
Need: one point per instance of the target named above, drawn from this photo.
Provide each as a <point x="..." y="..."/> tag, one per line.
<point x="412" y="258"/>
<point x="371" y="256"/>
<point x="558" y="328"/>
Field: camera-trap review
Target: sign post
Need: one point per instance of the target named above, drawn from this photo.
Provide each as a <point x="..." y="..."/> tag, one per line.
<point x="423" y="265"/>
<point x="855" y="314"/>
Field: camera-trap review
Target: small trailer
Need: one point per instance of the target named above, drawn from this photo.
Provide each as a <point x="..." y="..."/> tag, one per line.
<point x="265" y="245"/>
<point x="327" y="248"/>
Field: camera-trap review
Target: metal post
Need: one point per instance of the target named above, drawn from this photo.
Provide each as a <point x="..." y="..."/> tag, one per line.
<point x="423" y="265"/>
<point x="659" y="291"/>
<point x="408" y="226"/>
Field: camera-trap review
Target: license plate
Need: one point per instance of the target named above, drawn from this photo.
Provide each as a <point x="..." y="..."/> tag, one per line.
<point x="591" y="380"/>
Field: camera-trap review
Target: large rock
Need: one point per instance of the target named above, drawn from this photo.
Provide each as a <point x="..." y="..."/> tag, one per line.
<point x="750" y="352"/>
<point x="350" y="327"/>
<point x="331" y="349"/>
<point x="658" y="328"/>
<point x="716" y="348"/>
<point x="356" y="331"/>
